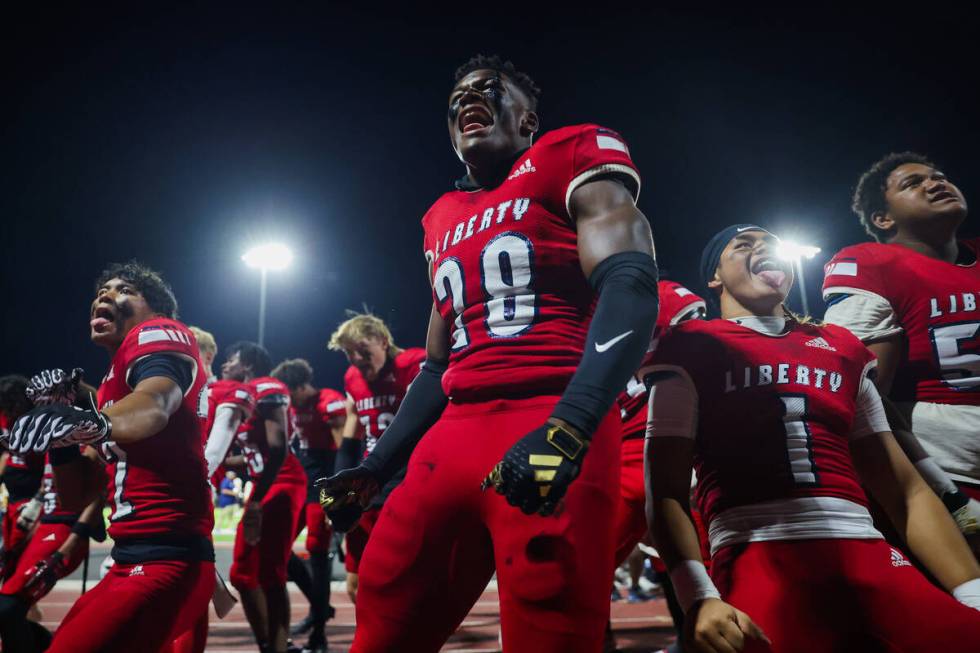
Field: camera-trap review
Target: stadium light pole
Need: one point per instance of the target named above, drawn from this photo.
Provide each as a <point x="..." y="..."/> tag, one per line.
<point x="795" y="253"/>
<point x="271" y="256"/>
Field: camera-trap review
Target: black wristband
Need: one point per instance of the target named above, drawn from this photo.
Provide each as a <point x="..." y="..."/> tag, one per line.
<point x="64" y="455"/>
<point x="955" y="500"/>
<point x="348" y="455"/>
<point x="81" y="529"/>
<point x="618" y="337"/>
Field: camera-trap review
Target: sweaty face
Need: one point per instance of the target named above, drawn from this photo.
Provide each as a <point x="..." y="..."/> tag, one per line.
<point x="368" y="355"/>
<point x="484" y="119"/>
<point x="751" y="273"/>
<point x="916" y="193"/>
<point x="233" y="369"/>
<point x="117" y="308"/>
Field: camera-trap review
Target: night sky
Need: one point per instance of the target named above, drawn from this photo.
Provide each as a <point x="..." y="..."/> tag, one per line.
<point x="181" y="136"/>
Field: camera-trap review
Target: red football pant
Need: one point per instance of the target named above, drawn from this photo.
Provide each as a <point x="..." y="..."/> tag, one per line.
<point x="318" y="533"/>
<point x="439" y="539"/>
<point x="194" y="640"/>
<point x="142" y="607"/>
<point x="357" y="539"/>
<point x="815" y="596"/>
<point x="46" y="540"/>
<point x="13" y="537"/>
<point x="631" y="519"/>
<point x="264" y="565"/>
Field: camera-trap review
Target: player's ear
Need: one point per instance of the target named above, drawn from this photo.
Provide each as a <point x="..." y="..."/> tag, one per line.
<point x="715" y="283"/>
<point x="529" y="124"/>
<point x="882" y="220"/>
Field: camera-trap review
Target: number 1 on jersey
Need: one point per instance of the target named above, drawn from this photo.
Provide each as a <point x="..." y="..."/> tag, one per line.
<point x="798" y="448"/>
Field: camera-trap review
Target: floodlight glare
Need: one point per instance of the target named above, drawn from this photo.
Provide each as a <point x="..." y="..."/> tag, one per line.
<point x="272" y="256"/>
<point x="790" y="251"/>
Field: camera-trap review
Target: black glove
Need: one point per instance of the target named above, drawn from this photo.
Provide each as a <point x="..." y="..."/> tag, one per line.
<point x="536" y="472"/>
<point x="54" y="386"/>
<point x="345" y="495"/>
<point x="56" y="426"/>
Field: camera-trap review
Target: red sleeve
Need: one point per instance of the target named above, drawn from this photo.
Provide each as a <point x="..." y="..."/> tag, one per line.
<point x="857" y="268"/>
<point x="676" y="301"/>
<point x="583" y="153"/>
<point x="332" y="403"/>
<point x="270" y="391"/>
<point x="232" y="392"/>
<point x="160" y="335"/>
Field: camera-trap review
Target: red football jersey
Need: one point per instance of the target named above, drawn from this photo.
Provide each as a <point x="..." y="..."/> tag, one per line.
<point x="505" y="268"/>
<point x="313" y="420"/>
<point x="23" y="473"/>
<point x="774" y="412"/>
<point x="936" y="304"/>
<point x="225" y="392"/>
<point x="158" y="486"/>
<point x="676" y="303"/>
<point x="252" y="437"/>
<point x="376" y="402"/>
<point x="52" y="510"/>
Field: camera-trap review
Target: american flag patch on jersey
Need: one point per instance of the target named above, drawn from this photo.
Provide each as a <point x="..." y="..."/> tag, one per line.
<point x="842" y="268"/>
<point x="150" y="334"/>
<point x="604" y="142"/>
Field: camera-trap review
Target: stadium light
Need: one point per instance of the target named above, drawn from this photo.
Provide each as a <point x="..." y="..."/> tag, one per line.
<point x="271" y="256"/>
<point x="795" y="253"/>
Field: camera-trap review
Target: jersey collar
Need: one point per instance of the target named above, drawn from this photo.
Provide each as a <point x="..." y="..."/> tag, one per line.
<point x="467" y="185"/>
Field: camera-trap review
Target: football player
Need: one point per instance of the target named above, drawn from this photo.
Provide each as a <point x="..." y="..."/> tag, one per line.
<point x="911" y="296"/>
<point x="319" y="415"/>
<point x="544" y="291"/>
<point x="21" y="475"/>
<point x="224" y="406"/>
<point x="208" y="348"/>
<point x="376" y="382"/>
<point x="784" y="427"/>
<point x="55" y="544"/>
<point x="146" y="428"/>
<point x="273" y="509"/>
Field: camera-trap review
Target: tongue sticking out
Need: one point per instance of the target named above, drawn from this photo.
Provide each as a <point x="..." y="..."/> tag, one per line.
<point x="99" y="324"/>
<point x="773" y="278"/>
<point x="473" y="126"/>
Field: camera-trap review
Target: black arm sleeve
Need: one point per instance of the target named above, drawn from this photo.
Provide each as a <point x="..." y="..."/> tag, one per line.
<point x="348" y="455"/>
<point x="617" y="340"/>
<point x="174" y="367"/>
<point x="421" y="407"/>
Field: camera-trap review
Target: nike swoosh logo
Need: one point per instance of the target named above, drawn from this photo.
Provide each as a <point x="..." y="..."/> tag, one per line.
<point x="741" y="229"/>
<point x="609" y="343"/>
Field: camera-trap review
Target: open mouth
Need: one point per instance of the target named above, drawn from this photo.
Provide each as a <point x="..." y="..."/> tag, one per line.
<point x="771" y="271"/>
<point x="102" y="318"/>
<point x="943" y="196"/>
<point x="474" y="118"/>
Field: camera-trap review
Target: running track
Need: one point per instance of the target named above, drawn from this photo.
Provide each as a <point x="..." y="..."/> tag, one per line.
<point x="639" y="627"/>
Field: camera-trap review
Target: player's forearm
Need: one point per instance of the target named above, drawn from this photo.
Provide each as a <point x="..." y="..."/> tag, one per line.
<point x="226" y="422"/>
<point x="934" y="539"/>
<point x="618" y="338"/>
<point x="138" y="416"/>
<point x="351" y="424"/>
<point x="273" y="462"/>
<point x="419" y="410"/>
<point x="673" y="531"/>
